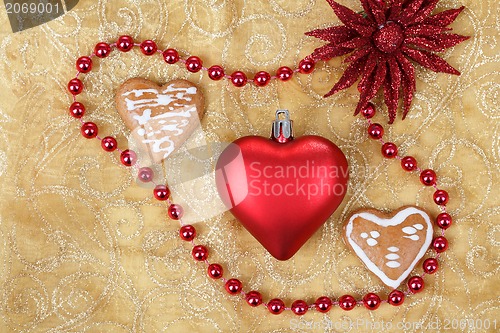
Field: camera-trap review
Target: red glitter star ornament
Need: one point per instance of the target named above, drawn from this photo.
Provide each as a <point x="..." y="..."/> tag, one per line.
<point x="382" y="42"/>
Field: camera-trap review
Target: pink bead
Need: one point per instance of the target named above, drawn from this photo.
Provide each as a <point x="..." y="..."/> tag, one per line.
<point x="253" y="298"/>
<point x="299" y="307"/>
<point x="444" y="220"/>
<point x="276" y="306"/>
<point x="175" y="211"/>
<point x="368" y="111"/>
<point x="323" y="304"/>
<point x="148" y="47"/>
<point x="161" y="192"/>
<point x="216" y="72"/>
<point x="128" y="157"/>
<point x="375" y="131"/>
<point x="200" y="253"/>
<point x="430" y="265"/>
<point x="371" y="301"/>
<point x="187" y="232"/>
<point x="396" y="298"/>
<point x="145" y="174"/>
<point x="77" y="110"/>
<point x="170" y="56"/>
<point x="347" y="302"/>
<point x="428" y="177"/>
<point x="441" y="197"/>
<point x="89" y="130"/>
<point x="440" y="244"/>
<point x="102" y="50"/>
<point x="389" y="150"/>
<point x="109" y="144"/>
<point x="239" y="79"/>
<point x="261" y="79"/>
<point x="409" y="163"/>
<point x="84" y="64"/>
<point x="215" y="271"/>
<point x="284" y="73"/>
<point x="194" y="64"/>
<point x="75" y="86"/>
<point x="233" y="286"/>
<point x="306" y="66"/>
<point x="416" y="284"/>
<point x="125" y="43"/>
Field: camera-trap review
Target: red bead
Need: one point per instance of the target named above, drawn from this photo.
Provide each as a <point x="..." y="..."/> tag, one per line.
<point x="253" y="298"/>
<point x="128" y="157"/>
<point x="89" y="130"/>
<point x="75" y="86"/>
<point x="409" y="163"/>
<point x="440" y="244"/>
<point x="389" y="150"/>
<point x="299" y="307"/>
<point x="284" y="73"/>
<point x="375" y="131"/>
<point x="428" y="177"/>
<point x="194" y="64"/>
<point x="444" y="220"/>
<point x="170" y="56"/>
<point x="441" y="197"/>
<point x="145" y="174"/>
<point x="175" y="211"/>
<point x="216" y="72"/>
<point x="233" y="286"/>
<point x="215" y="271"/>
<point x="239" y="79"/>
<point x="109" y="144"/>
<point x="200" y="253"/>
<point x="347" y="302"/>
<point x="102" y="50"/>
<point x="148" y="47"/>
<point x="276" y="306"/>
<point x="306" y="66"/>
<point x="161" y="192"/>
<point x="261" y="79"/>
<point x="323" y="304"/>
<point x="368" y="111"/>
<point x="125" y="43"/>
<point x="84" y="64"/>
<point x="416" y="284"/>
<point x="430" y="265"/>
<point x="396" y="298"/>
<point x="187" y="232"/>
<point x="77" y="110"/>
<point x="371" y="301"/>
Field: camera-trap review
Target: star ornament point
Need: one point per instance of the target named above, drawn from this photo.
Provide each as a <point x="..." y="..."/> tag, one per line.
<point x="383" y="42"/>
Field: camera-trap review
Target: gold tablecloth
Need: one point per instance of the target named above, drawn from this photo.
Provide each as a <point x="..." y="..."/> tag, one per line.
<point x="83" y="248"/>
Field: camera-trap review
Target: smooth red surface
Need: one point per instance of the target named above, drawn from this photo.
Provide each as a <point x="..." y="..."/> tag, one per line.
<point x="282" y="223"/>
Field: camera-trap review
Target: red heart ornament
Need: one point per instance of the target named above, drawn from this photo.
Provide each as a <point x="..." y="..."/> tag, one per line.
<point x="282" y="190"/>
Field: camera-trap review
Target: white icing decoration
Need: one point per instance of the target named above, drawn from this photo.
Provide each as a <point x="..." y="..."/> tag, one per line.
<point x="409" y="230"/>
<point x="392" y="264"/>
<point x="413" y="237"/>
<point x="392" y="256"/>
<point x="364" y="235"/>
<point x="375" y="234"/>
<point x="418" y="226"/>
<point x="371" y="242"/>
<point x="396" y="220"/>
<point x="393" y="249"/>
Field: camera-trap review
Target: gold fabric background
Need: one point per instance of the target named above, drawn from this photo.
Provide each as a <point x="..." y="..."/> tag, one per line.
<point x="85" y="249"/>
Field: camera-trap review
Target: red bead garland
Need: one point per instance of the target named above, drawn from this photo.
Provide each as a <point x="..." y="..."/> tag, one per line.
<point x="188" y="233"/>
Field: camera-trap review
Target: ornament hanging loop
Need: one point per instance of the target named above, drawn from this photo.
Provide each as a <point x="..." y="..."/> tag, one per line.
<point x="282" y="130"/>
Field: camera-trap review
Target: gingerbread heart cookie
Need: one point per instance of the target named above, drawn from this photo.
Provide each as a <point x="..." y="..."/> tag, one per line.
<point x="390" y="245"/>
<point x="161" y="118"/>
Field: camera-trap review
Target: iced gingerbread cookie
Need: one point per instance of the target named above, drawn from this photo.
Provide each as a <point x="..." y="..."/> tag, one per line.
<point x="390" y="245"/>
<point x="161" y="118"/>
